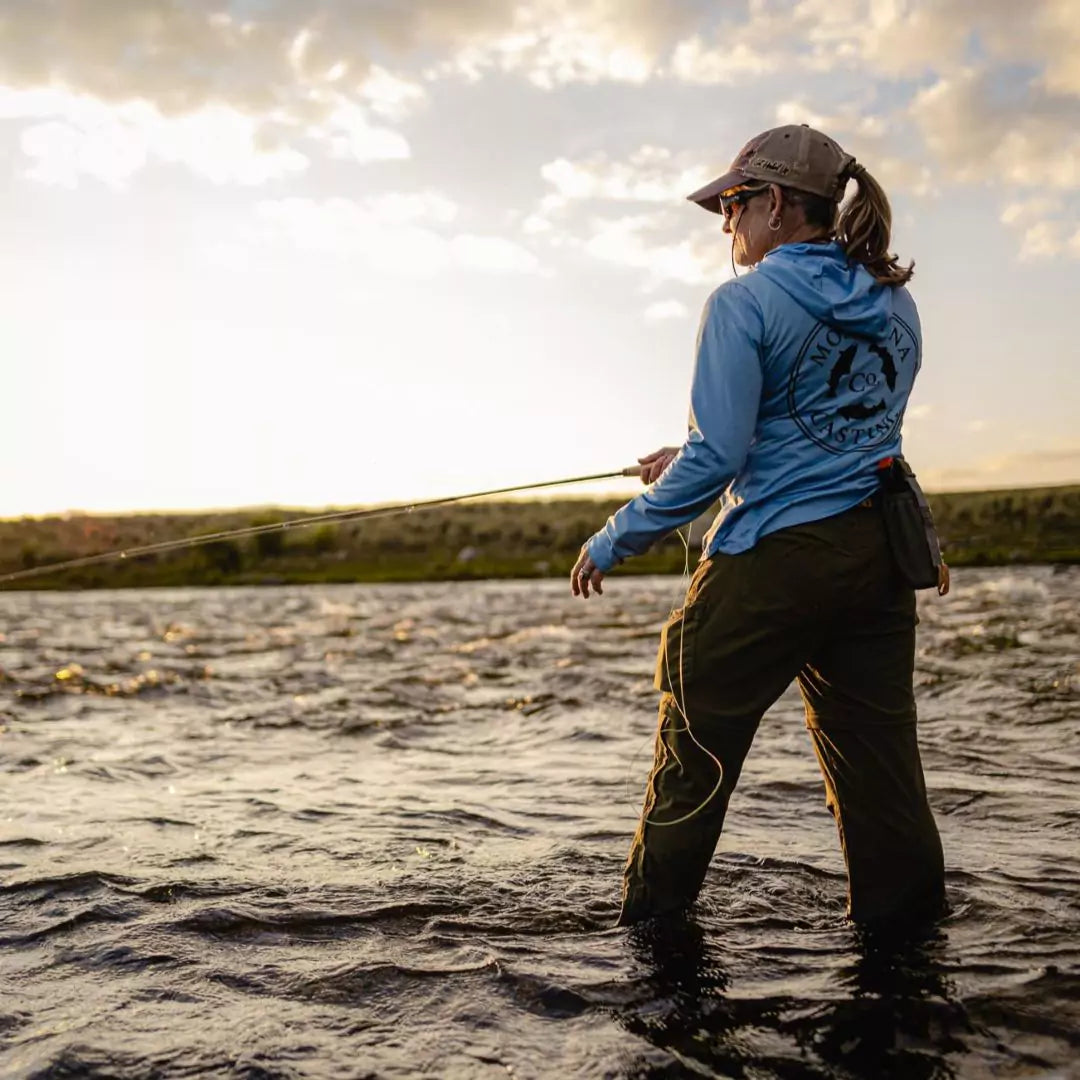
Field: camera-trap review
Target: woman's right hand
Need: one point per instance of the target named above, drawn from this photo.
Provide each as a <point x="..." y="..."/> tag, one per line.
<point x="652" y="465"/>
<point x="943" y="579"/>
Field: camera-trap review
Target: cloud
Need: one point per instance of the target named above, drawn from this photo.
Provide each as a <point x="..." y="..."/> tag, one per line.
<point x="650" y="174"/>
<point x="350" y="134"/>
<point x="1022" y="210"/>
<point x="577" y="55"/>
<point x="1058" y="29"/>
<point x="1042" y="240"/>
<point x="1048" y="225"/>
<point x="396" y="233"/>
<point x="260" y="58"/>
<point x="1003" y="103"/>
<point x="253" y="57"/>
<point x="554" y="43"/>
<point x="334" y="76"/>
<point x="984" y="131"/>
<point x="660" y="242"/>
<point x="917" y="413"/>
<point x="237" y="98"/>
<point x="911" y="38"/>
<point x="1046" y="239"/>
<point x="693" y="62"/>
<point x="663" y="310"/>
<point x="560" y="53"/>
<point x="77" y="135"/>
<point x="893" y="38"/>
<point x="390" y="95"/>
<point x="642" y="242"/>
<point x="1018" y="137"/>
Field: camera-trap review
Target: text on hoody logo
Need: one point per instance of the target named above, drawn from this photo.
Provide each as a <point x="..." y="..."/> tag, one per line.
<point x="848" y="393"/>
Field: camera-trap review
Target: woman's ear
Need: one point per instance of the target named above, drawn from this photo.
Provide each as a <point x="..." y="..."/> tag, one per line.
<point x="776" y="200"/>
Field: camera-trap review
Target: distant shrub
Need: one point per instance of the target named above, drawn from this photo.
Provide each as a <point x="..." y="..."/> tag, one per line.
<point x="269" y="545"/>
<point x="324" y="539"/>
<point x="511" y="538"/>
<point x="223" y="556"/>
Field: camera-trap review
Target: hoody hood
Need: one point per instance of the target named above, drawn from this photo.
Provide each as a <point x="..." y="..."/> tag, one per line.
<point x="833" y="290"/>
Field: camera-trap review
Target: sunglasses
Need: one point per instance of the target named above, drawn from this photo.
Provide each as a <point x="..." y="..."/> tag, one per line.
<point x="738" y="197"/>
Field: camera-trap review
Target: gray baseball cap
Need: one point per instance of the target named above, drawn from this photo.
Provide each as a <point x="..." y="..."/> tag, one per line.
<point x="794" y="155"/>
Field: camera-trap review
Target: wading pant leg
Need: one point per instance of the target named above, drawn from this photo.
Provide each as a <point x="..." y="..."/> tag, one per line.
<point x="860" y="711"/>
<point x="725" y="657"/>
<point x="685" y="803"/>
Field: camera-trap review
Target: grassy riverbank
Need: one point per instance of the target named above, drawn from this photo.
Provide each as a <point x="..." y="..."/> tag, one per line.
<point x="478" y="540"/>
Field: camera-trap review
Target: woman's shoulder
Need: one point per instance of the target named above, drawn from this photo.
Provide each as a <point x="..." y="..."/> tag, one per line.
<point x="734" y="301"/>
<point x="735" y="292"/>
<point x="904" y="306"/>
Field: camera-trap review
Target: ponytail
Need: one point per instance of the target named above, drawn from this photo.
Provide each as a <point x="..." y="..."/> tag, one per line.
<point x="863" y="231"/>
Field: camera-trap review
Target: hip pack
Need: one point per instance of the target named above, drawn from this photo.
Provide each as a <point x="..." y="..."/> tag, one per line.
<point x="909" y="525"/>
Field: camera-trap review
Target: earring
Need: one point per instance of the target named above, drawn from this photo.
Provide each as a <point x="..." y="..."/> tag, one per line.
<point x="774" y="224"/>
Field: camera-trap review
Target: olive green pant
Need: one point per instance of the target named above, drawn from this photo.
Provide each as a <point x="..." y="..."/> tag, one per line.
<point x="820" y="603"/>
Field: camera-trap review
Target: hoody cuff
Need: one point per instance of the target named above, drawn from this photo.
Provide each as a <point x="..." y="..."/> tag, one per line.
<point x="601" y="552"/>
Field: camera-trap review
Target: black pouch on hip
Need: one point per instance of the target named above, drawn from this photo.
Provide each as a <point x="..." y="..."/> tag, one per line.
<point x="909" y="525"/>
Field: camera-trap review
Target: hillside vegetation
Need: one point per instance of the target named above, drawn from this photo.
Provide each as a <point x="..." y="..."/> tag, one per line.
<point x="468" y="540"/>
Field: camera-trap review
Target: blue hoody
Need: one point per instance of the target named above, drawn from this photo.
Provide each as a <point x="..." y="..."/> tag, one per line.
<point x="802" y="375"/>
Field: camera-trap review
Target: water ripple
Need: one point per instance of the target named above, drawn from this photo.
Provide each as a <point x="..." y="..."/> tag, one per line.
<point x="377" y="831"/>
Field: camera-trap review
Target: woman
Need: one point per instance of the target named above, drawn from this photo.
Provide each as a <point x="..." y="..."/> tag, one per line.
<point x="802" y="374"/>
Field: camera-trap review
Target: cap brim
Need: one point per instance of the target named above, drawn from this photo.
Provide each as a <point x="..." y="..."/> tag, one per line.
<point x="708" y="197"/>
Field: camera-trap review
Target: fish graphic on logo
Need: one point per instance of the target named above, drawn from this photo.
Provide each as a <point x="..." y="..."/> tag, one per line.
<point x="848" y="393"/>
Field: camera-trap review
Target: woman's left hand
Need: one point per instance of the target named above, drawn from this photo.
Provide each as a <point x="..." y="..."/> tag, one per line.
<point x="584" y="574"/>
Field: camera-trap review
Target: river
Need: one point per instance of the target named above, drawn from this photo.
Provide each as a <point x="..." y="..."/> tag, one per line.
<point x="377" y="831"/>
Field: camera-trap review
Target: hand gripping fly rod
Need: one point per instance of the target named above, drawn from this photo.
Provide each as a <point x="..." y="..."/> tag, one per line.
<point x="299" y="523"/>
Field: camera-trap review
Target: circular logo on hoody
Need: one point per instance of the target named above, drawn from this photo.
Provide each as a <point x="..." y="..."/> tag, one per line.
<point x="849" y="393"/>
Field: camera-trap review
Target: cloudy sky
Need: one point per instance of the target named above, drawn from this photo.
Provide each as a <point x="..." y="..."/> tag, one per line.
<point x="314" y="252"/>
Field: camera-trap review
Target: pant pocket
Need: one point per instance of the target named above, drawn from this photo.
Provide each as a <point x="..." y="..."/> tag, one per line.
<point x="676" y="660"/>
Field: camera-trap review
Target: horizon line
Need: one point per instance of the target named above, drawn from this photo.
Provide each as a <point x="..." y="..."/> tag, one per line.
<point x="251" y="508"/>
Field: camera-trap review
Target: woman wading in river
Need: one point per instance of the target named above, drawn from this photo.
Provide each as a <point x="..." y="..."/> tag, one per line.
<point x="802" y="374"/>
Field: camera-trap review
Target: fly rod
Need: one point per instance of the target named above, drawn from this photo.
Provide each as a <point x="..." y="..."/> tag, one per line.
<point x="299" y="523"/>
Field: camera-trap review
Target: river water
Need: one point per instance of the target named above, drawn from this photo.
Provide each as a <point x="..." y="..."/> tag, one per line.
<point x="377" y="831"/>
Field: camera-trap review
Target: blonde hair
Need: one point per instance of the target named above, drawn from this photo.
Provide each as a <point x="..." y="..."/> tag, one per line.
<point x="863" y="230"/>
<point x="862" y="227"/>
